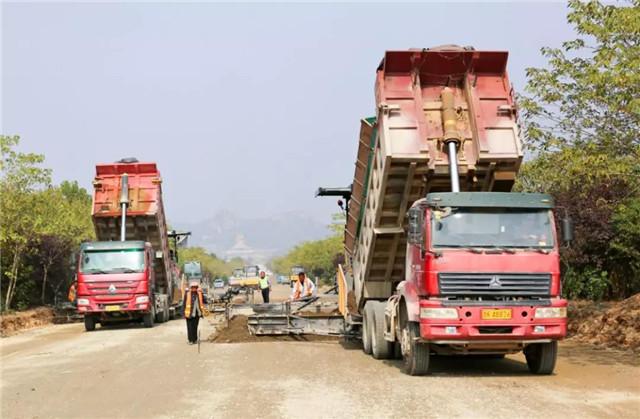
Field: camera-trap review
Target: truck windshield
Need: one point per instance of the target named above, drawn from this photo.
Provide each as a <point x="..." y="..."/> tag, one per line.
<point x="491" y="227"/>
<point x="112" y="261"/>
<point x="251" y="271"/>
<point x="238" y="273"/>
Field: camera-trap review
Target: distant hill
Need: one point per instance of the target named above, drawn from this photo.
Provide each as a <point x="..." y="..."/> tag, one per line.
<point x="264" y="236"/>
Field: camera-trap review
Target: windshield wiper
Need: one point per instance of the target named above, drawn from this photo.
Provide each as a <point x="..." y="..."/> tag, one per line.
<point x="539" y="250"/>
<point x="124" y="270"/>
<point x="94" y="271"/>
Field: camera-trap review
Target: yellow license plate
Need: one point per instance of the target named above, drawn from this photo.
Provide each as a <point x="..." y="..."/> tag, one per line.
<point x="112" y="308"/>
<point x="496" y="314"/>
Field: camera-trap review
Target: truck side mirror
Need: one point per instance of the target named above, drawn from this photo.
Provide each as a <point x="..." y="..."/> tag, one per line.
<point x="415" y="220"/>
<point x="567" y="230"/>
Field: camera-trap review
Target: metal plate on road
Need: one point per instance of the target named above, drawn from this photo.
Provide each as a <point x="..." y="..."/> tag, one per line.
<point x="496" y="314"/>
<point x="112" y="308"/>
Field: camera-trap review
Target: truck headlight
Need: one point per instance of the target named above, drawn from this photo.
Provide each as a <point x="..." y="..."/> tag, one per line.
<point x="83" y="302"/>
<point x="142" y="299"/>
<point x="551" y="313"/>
<point x="438" y="313"/>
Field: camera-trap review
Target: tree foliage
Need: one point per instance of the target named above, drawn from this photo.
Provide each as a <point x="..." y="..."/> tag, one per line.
<point x="212" y="266"/>
<point x="581" y="120"/>
<point x="318" y="257"/>
<point x="590" y="92"/>
<point x="40" y="226"/>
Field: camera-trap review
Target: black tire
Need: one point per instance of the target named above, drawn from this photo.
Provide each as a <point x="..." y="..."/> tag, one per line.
<point x="147" y="319"/>
<point x="397" y="350"/>
<point x="541" y="357"/>
<point x="367" y="320"/>
<point x="160" y="317"/>
<point x="415" y="360"/>
<point x="89" y="323"/>
<point x="381" y="348"/>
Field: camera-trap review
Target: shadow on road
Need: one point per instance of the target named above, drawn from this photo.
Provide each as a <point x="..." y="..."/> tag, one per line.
<point x="471" y="366"/>
<point x="581" y="354"/>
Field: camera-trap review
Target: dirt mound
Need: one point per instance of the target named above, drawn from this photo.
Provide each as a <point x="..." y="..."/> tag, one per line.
<point x="611" y="325"/>
<point x="238" y="332"/>
<point x="12" y="323"/>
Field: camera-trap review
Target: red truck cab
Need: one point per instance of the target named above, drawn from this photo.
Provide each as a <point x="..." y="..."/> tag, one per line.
<point x="116" y="282"/>
<point x="483" y="275"/>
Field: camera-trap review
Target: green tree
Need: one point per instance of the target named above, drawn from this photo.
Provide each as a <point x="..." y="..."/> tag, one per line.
<point x="212" y="266"/>
<point x="590" y="92"/>
<point x="580" y="121"/>
<point x="21" y="219"/>
<point x="319" y="257"/>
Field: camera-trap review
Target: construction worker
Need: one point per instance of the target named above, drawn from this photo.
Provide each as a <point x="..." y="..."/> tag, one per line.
<point x="193" y="305"/>
<point x="303" y="288"/>
<point x="265" y="286"/>
<point x="71" y="296"/>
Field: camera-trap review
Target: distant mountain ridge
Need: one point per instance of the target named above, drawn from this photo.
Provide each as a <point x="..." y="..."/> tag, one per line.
<point x="268" y="236"/>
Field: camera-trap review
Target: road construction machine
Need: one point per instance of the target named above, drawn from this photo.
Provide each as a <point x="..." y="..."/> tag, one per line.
<point x="441" y="257"/>
<point x="131" y="273"/>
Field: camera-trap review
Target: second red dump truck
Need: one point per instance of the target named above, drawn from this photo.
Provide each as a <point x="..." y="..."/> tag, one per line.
<point x="130" y="274"/>
<point x="441" y="257"/>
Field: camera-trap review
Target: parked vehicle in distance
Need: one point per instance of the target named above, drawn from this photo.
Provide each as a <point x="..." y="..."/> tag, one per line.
<point x="218" y="283"/>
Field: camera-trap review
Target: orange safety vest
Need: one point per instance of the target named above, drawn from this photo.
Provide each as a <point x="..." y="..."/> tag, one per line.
<point x="187" y="307"/>
<point x="71" y="296"/>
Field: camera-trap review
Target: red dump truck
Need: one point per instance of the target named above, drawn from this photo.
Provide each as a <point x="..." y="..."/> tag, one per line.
<point x="130" y="274"/>
<point x="441" y="257"/>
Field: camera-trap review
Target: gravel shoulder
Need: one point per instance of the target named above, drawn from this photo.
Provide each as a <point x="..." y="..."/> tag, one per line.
<point x="129" y="371"/>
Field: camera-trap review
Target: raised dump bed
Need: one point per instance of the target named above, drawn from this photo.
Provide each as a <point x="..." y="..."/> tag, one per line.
<point x="402" y="153"/>
<point x="145" y="218"/>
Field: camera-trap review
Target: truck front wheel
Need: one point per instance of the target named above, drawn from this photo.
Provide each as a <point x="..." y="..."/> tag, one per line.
<point x="147" y="319"/>
<point x="415" y="354"/>
<point x="89" y="323"/>
<point x="367" y="320"/>
<point x="541" y="357"/>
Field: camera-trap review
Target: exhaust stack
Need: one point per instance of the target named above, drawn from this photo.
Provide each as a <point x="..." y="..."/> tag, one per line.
<point x="451" y="137"/>
<point x="124" y="203"/>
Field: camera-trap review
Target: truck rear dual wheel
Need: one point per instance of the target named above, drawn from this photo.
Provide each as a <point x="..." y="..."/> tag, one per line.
<point x="367" y="320"/>
<point x="415" y="354"/>
<point x="381" y="348"/>
<point x="541" y="357"/>
<point x="163" y="316"/>
<point x="89" y="323"/>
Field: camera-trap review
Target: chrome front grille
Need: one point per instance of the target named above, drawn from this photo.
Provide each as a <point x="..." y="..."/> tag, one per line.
<point x="494" y="284"/>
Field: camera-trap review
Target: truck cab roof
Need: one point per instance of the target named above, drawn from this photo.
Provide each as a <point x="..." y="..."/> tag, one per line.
<point x="113" y="245"/>
<point x="488" y="200"/>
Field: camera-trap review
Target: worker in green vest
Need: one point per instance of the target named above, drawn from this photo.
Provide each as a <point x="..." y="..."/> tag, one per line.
<point x="265" y="286"/>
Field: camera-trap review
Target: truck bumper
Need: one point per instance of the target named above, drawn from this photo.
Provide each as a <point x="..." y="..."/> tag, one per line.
<point x="471" y="326"/>
<point x="116" y="308"/>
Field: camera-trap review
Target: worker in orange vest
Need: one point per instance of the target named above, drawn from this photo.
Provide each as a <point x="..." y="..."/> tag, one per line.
<point x="71" y="296"/>
<point x="303" y="288"/>
<point x="194" y="308"/>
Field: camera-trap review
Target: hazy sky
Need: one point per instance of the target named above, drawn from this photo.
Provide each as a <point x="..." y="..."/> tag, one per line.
<point x="244" y="107"/>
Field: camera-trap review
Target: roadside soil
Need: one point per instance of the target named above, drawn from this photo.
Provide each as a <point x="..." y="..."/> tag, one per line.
<point x="13" y="323"/>
<point x="606" y="324"/>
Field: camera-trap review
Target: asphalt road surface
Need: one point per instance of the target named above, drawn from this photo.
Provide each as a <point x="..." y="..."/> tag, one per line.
<point x="133" y="372"/>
